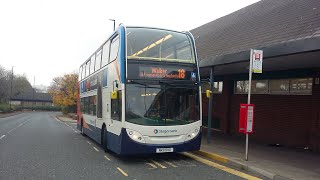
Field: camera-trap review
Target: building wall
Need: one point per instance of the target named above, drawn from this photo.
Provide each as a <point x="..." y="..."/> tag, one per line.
<point x="16" y="103"/>
<point x="314" y="140"/>
<point x="289" y="120"/>
<point x="28" y="103"/>
<point x="279" y="119"/>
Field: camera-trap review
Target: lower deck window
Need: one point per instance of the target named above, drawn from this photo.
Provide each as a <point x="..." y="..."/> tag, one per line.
<point x="88" y="105"/>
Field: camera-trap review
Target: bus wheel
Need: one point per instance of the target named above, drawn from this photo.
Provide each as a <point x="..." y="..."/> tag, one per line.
<point x="104" y="138"/>
<point x="82" y="131"/>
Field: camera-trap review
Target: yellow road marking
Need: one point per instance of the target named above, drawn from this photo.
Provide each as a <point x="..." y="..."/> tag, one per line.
<point x="107" y="158"/>
<point x="188" y="163"/>
<point x="212" y="156"/>
<point x="122" y="172"/>
<point x="152" y="165"/>
<point x="96" y="149"/>
<point x="171" y="164"/>
<point x="221" y="167"/>
<point x="2" y="136"/>
<point x="160" y="165"/>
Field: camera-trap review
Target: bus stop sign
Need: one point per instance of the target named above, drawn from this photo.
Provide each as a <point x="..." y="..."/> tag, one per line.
<point x="246" y="118"/>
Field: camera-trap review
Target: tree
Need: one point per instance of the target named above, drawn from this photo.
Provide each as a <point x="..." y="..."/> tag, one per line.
<point x="19" y="84"/>
<point x="4" y="93"/>
<point x="64" y="91"/>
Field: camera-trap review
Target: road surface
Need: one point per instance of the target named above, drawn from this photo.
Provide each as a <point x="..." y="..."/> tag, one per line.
<point x="35" y="145"/>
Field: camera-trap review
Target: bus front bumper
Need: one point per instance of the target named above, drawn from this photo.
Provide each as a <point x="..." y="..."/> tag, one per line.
<point x="129" y="146"/>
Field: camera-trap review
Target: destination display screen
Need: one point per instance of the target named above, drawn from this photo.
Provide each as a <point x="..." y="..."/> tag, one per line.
<point x="146" y="71"/>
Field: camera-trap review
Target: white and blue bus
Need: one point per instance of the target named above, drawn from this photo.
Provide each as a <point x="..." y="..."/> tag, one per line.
<point x="140" y="92"/>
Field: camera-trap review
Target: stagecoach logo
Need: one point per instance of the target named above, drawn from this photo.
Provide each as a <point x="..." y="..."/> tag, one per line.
<point x="159" y="131"/>
<point x="193" y="75"/>
<point x="155" y="131"/>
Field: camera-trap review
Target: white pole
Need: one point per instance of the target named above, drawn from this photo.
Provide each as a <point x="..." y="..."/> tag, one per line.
<point x="249" y="96"/>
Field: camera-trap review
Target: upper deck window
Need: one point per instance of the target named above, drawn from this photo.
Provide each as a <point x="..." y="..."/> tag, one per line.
<point x="88" y="69"/>
<point x="93" y="57"/>
<point x="114" y="49"/>
<point x="159" y="45"/>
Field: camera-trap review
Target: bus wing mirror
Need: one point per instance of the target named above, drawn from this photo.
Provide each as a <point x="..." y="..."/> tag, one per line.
<point x="114" y="95"/>
<point x="208" y="93"/>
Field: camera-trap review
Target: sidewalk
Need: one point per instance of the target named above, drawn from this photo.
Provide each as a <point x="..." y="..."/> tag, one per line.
<point x="65" y="118"/>
<point x="269" y="161"/>
<point x="3" y="115"/>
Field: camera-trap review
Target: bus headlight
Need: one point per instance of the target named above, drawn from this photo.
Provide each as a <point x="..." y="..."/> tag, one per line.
<point x="192" y="134"/>
<point x="136" y="136"/>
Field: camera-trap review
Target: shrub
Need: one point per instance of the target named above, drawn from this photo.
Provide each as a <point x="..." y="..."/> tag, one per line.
<point x="41" y="108"/>
<point x="5" y="108"/>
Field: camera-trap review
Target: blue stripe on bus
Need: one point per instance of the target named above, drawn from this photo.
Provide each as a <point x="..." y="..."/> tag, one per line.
<point x="122" y="52"/>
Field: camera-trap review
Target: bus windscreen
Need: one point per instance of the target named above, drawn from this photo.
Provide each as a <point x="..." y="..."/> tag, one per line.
<point x="162" y="104"/>
<point x="159" y="45"/>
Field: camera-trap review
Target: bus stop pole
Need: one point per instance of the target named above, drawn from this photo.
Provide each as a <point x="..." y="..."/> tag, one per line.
<point x="249" y="98"/>
<point x="210" y="106"/>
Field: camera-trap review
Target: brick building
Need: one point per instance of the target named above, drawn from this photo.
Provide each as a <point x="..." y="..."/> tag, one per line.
<point x="287" y="94"/>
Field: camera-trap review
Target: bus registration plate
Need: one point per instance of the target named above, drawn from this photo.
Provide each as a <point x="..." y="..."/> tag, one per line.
<point x="164" y="150"/>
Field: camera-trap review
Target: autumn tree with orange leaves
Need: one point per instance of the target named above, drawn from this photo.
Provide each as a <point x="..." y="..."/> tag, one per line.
<point x="64" y="91"/>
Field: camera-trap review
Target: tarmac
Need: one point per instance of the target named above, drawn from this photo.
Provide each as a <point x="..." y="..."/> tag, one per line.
<point x="273" y="162"/>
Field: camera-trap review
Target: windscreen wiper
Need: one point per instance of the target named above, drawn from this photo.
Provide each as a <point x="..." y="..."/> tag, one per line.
<point x="142" y="84"/>
<point x="166" y="83"/>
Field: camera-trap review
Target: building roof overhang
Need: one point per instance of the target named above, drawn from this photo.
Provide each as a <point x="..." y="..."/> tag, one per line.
<point x="294" y="54"/>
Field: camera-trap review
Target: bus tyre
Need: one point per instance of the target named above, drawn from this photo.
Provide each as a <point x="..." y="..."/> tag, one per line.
<point x="104" y="139"/>
<point x="82" y="131"/>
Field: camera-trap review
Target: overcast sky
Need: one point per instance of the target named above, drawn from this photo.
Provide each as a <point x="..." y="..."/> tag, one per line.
<point x="49" y="38"/>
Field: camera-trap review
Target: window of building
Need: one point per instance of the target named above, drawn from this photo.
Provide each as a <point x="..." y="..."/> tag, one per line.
<point x="242" y="87"/>
<point x="114" y="48"/>
<point x="105" y="54"/>
<point x="259" y="87"/>
<point x="301" y="86"/>
<point x="216" y="89"/>
<point x="98" y="60"/>
<point x="279" y="86"/>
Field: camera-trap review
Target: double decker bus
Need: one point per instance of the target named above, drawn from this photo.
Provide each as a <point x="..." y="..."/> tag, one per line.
<point x="140" y="92"/>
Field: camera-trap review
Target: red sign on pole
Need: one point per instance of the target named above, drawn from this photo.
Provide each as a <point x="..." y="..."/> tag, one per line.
<point x="246" y="118"/>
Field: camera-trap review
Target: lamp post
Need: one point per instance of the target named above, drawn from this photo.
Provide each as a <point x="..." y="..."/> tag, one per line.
<point x="11" y="87"/>
<point x="33" y="89"/>
<point x="114" y="24"/>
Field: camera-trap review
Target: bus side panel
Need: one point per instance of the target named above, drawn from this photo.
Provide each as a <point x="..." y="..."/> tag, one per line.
<point x="114" y="142"/>
<point x="93" y="133"/>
